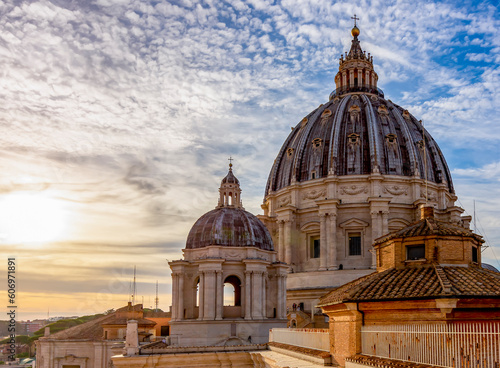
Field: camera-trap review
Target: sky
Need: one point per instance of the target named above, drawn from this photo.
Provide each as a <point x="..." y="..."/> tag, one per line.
<point x="118" y="118"/>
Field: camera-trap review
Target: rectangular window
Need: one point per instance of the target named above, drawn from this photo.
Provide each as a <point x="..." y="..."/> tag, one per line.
<point x="315" y="247"/>
<point x="355" y="244"/>
<point x="474" y="254"/>
<point x="414" y="252"/>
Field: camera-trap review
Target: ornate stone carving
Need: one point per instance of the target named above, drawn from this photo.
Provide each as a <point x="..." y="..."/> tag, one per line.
<point x="382" y="110"/>
<point x="354" y="112"/>
<point x="396" y="190"/>
<point x="235" y="254"/>
<point x="284" y="201"/>
<point x="431" y="196"/>
<point x="313" y="194"/>
<point x="354" y="189"/>
<point x="326" y="113"/>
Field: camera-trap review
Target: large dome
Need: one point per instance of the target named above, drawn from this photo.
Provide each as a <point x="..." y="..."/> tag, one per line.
<point x="231" y="227"/>
<point x="357" y="132"/>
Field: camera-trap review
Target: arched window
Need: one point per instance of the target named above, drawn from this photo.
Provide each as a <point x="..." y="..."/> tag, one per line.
<point x="197" y="293"/>
<point x="232" y="291"/>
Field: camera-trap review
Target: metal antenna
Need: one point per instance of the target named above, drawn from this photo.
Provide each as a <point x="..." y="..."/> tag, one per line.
<point x="157" y="300"/>
<point x="475" y="229"/>
<point x="134" y="290"/>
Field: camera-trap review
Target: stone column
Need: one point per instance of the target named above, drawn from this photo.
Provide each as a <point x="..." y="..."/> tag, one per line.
<point x="280" y="299"/>
<point x="220" y="296"/>
<point x="201" y="291"/>
<point x="360" y="78"/>
<point x="385" y="222"/>
<point x="257" y="294"/>
<point x="174" y="297"/>
<point x="367" y="78"/>
<point x="209" y="313"/>
<point x="264" y="295"/>
<point x="332" y="243"/>
<point x="344" y="79"/>
<point x="375" y="235"/>
<point x="248" y="293"/>
<point x="322" y="242"/>
<point x="288" y="241"/>
<point x="351" y="78"/>
<point x="281" y="240"/>
<point x="180" y="296"/>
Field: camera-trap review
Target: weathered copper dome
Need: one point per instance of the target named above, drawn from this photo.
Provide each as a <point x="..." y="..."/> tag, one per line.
<point x="231" y="227"/>
<point x="357" y="132"/>
<point x="229" y="224"/>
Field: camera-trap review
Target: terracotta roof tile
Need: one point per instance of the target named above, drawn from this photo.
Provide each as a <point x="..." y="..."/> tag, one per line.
<point x="418" y="283"/>
<point x="123" y="321"/>
<point x="376" y="362"/>
<point x="429" y="226"/>
<point x="91" y="330"/>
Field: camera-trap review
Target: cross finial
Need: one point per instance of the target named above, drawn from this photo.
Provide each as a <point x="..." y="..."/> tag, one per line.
<point x="355" y="19"/>
<point x="230" y="159"/>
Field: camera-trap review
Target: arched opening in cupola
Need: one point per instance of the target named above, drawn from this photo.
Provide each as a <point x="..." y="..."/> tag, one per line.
<point x="232" y="291"/>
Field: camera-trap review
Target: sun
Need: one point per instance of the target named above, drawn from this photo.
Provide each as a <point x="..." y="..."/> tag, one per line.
<point x="31" y="217"/>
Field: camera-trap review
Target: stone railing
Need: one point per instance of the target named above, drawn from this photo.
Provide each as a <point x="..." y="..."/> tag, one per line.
<point x="311" y="338"/>
<point x="461" y="345"/>
<point x="343" y="90"/>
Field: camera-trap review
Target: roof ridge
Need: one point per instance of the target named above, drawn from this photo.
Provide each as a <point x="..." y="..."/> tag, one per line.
<point x="443" y="279"/>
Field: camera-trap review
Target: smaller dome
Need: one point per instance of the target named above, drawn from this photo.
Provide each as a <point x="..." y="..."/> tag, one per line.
<point x="230" y="227"/>
<point x="355" y="31"/>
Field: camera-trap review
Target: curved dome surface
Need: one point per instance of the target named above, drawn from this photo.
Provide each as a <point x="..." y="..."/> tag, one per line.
<point x="231" y="227"/>
<point x="358" y="134"/>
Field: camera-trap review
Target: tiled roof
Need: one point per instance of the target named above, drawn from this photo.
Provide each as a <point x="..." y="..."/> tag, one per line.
<point x="432" y="281"/>
<point x="429" y="226"/>
<point x="91" y="330"/>
<point x="123" y="321"/>
<point x="369" y="361"/>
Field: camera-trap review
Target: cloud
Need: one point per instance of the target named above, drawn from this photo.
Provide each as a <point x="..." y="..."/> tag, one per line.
<point x="128" y="110"/>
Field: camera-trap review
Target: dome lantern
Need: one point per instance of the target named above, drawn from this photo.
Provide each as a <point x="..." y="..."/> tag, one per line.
<point x="356" y="73"/>
<point x="229" y="191"/>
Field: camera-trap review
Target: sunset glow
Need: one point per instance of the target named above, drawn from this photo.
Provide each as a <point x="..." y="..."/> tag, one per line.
<point x="32" y="218"/>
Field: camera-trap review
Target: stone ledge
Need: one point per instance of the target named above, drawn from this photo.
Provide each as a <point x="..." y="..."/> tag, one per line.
<point x="317" y="356"/>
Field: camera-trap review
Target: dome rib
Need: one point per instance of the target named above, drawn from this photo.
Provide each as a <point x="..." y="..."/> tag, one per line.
<point x="298" y="159"/>
<point x="373" y="135"/>
<point x="409" y="141"/>
<point x="335" y="135"/>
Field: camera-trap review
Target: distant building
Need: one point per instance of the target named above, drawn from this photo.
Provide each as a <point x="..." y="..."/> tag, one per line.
<point x="92" y="344"/>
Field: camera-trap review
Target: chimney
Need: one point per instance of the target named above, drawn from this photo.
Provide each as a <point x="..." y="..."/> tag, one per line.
<point x="132" y="339"/>
<point x="426" y="211"/>
<point x="46" y="331"/>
